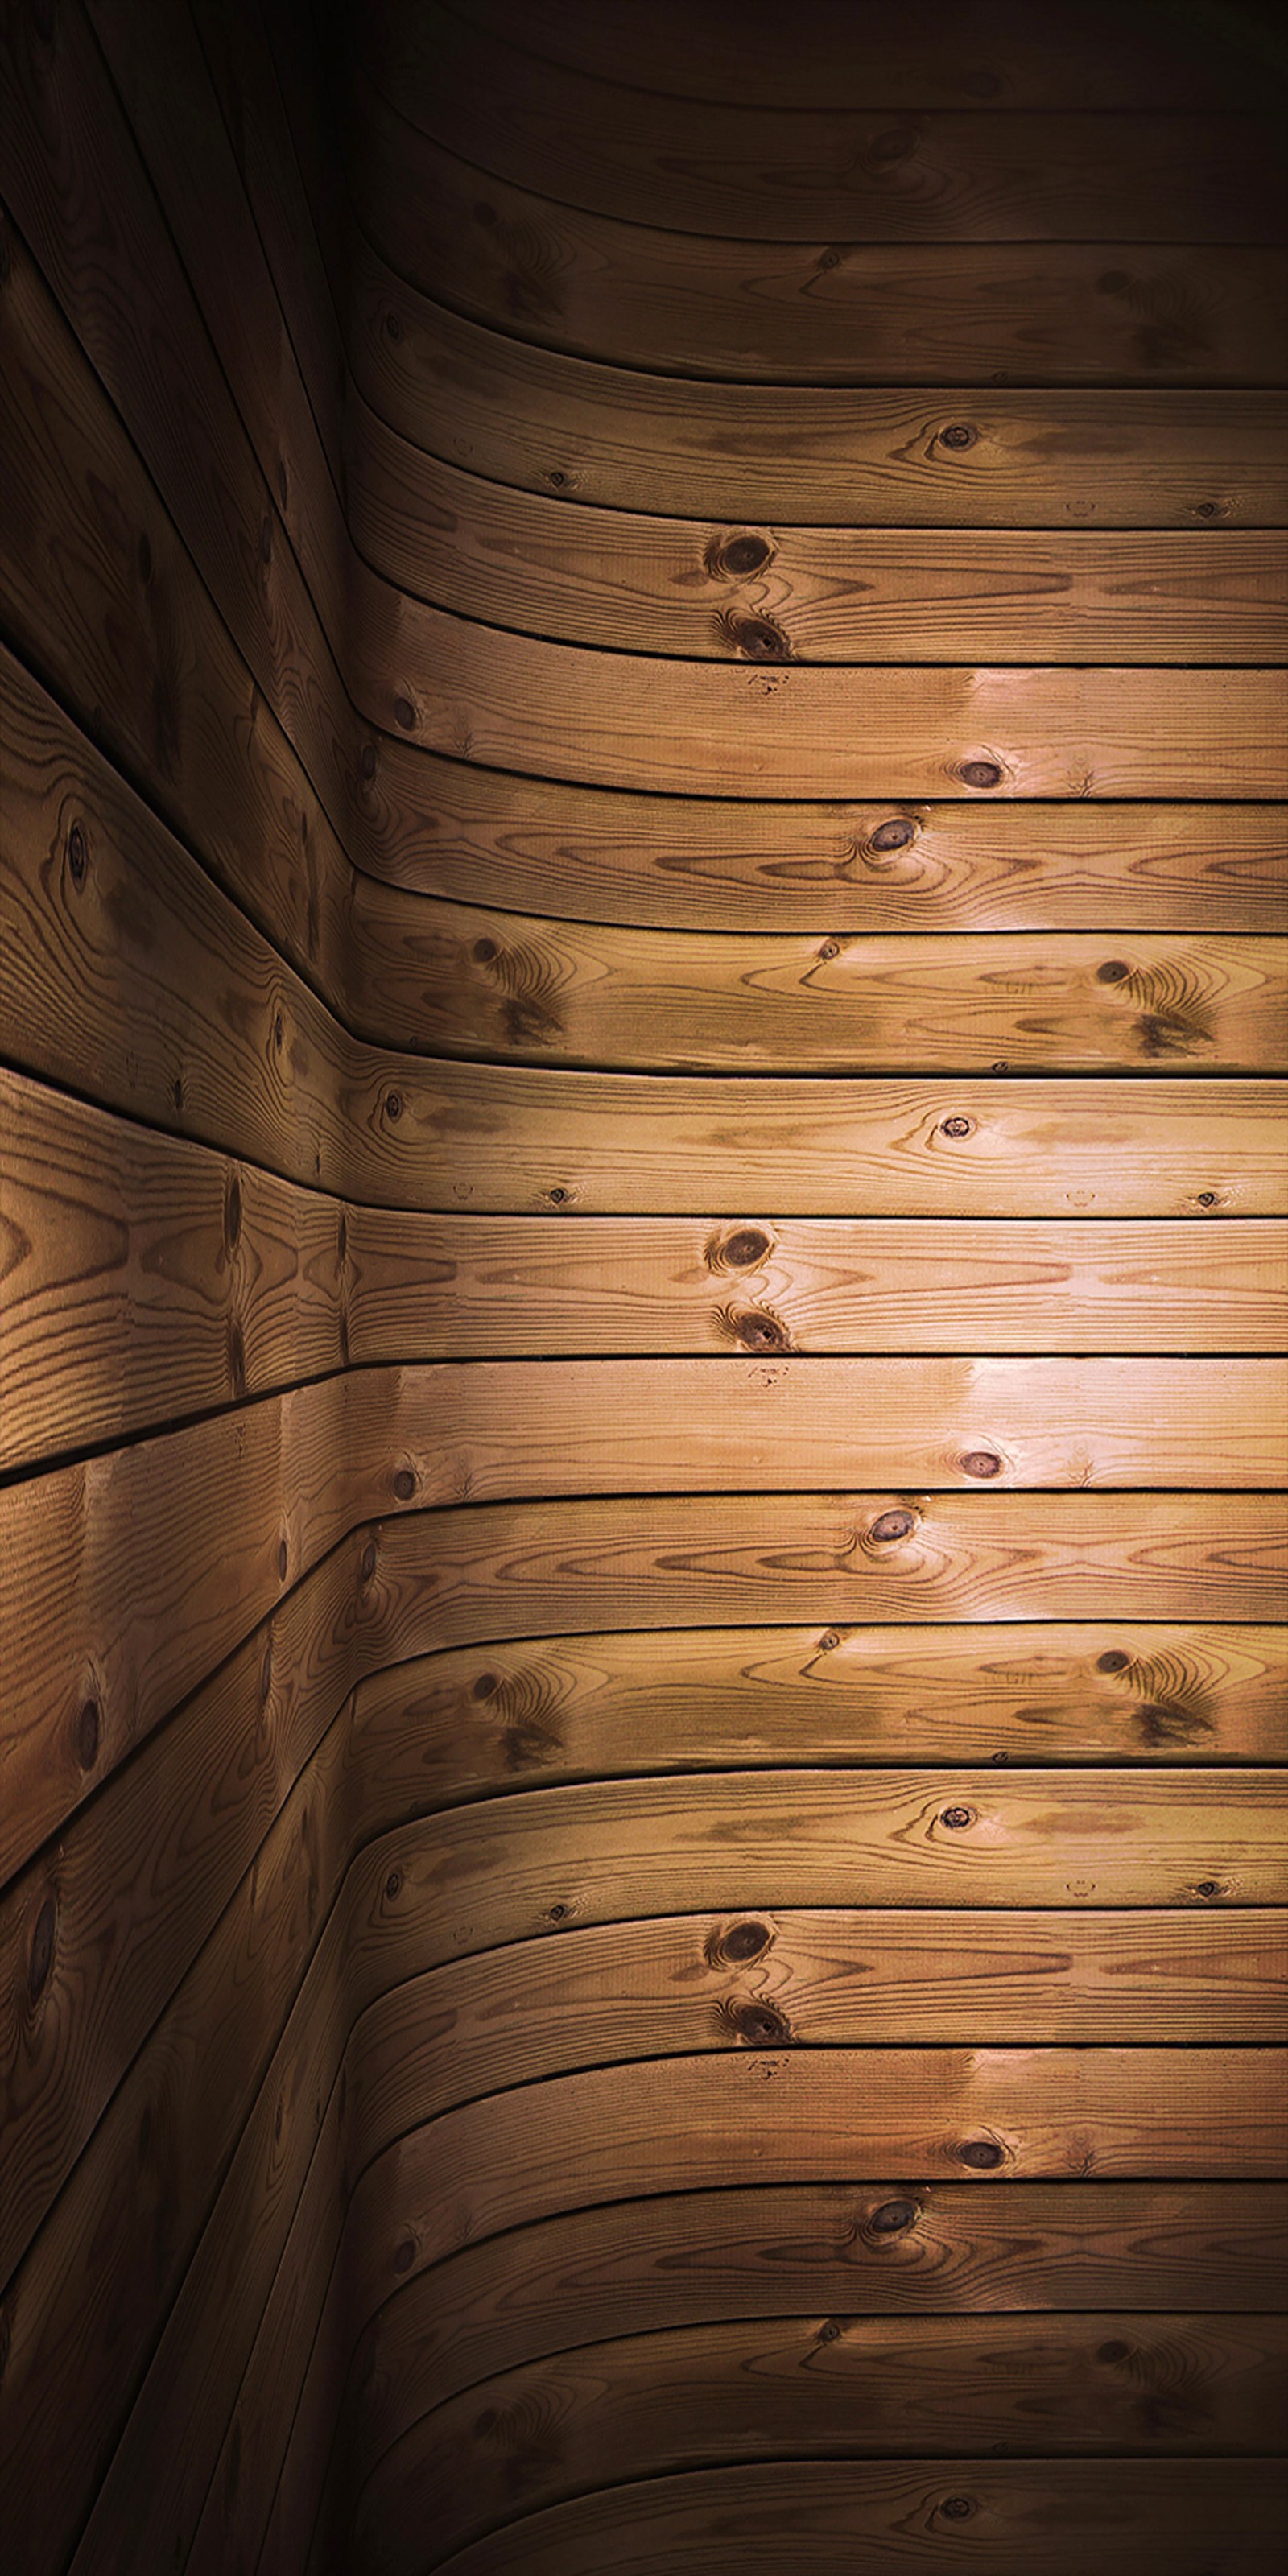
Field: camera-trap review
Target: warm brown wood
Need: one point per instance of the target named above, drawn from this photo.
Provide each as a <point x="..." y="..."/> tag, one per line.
<point x="473" y="1286"/>
<point x="765" y="2251"/>
<point x="821" y="2389"/>
<point x="548" y="992"/>
<point x="786" y="729"/>
<point x="818" y="312"/>
<point x="776" y="173"/>
<point x="648" y="584"/>
<point x="1192" y="2515"/>
<point x="1112" y="1557"/>
<point x="561" y="1707"/>
<point x="509" y="1138"/>
<point x="637" y="441"/>
<point x="1076" y="56"/>
<point x="590" y="854"/>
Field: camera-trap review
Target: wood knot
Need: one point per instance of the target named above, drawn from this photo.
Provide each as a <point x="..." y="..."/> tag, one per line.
<point x="283" y="1559"/>
<point x="958" y="2508"/>
<point x="266" y="1671"/>
<point x="77" y="854"/>
<point x="743" y="1250"/>
<point x="40" y="1957"/>
<point x="486" y="1687"/>
<point x="758" y="1330"/>
<point x="236" y="1358"/>
<point x="89" y="1734"/>
<point x="485" y="952"/>
<point x="742" y="1941"/>
<point x="368" y="1565"/>
<point x="759" y="2025"/>
<point x="956" y="1126"/>
<point x="393" y="1886"/>
<point x="1114" y="971"/>
<point x="233" y="1213"/>
<point x="1113" y="281"/>
<point x="1208" y="1888"/>
<point x="393" y="1105"/>
<point x="958" y="435"/>
<point x="982" y="1463"/>
<point x="895" y="145"/>
<point x="1208" y="1198"/>
<point x="758" y="638"/>
<point x="956" y="1818"/>
<point x="405" y="714"/>
<point x="892" y="2217"/>
<point x="892" y="1525"/>
<point x="558" y="1913"/>
<point x="404" y="1484"/>
<point x="342" y="1239"/>
<point x="983" y="2155"/>
<point x="829" y="1641"/>
<point x="393" y="328"/>
<point x="1112" y="1661"/>
<point x="980" y="773"/>
<point x="558" y="1196"/>
<point x="367" y="760"/>
<point x="893" y="835"/>
<point x="558" y="478"/>
<point x="740" y="554"/>
<point x="829" y="2331"/>
<point x="1113" y="2352"/>
<point x="404" y="2255"/>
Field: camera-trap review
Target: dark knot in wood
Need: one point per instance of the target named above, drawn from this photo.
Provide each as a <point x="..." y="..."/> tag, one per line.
<point x="405" y="714"/>
<point x="484" y="952"/>
<point x="894" y="835"/>
<point x="393" y="1105"/>
<point x="41" y="1958"/>
<point x="77" y="854"/>
<point x="233" y="1213"/>
<point x="89" y="1733"/>
<point x="956" y="1126"/>
<point x="1112" y="1661"/>
<point x="958" y="2508"/>
<point x="892" y="1525"/>
<point x="892" y="2217"/>
<point x="982" y="2154"/>
<point x="283" y="1559"/>
<point x="404" y="2255"/>
<point x="760" y="639"/>
<point x="393" y="1886"/>
<point x="760" y="2025"/>
<point x="981" y="1462"/>
<point x="742" y="1251"/>
<point x="367" y="760"/>
<point x="368" y="1566"/>
<point x="759" y="1331"/>
<point x="980" y="773"/>
<point x="1114" y="971"/>
<point x="1208" y="1198"/>
<point x="743" y="554"/>
<point x="486" y="1687"/>
<point x="744" y="1940"/>
<point x="404" y="1484"/>
<point x="957" y="1817"/>
<point x="958" y="435"/>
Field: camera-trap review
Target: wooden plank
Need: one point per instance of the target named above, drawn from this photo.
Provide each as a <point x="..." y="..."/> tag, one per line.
<point x="1190" y="2515"/>
<point x="648" y="584"/>
<point x="870" y="455"/>
<point x="800" y="2388"/>
<point x="512" y="1569"/>
<point x="472" y="1287"/>
<point x="508" y="1138"/>
<point x="682" y="2123"/>
<point x="823" y="730"/>
<point x="213" y="1521"/>
<point x="816" y="312"/>
<point x="442" y="826"/>
<point x="145" y="1279"/>
<point x="756" y="2252"/>
<point x="565" y="1707"/>
<point x="779" y="173"/>
<point x="536" y="991"/>
<point x="1080" y="56"/>
<point x="103" y="597"/>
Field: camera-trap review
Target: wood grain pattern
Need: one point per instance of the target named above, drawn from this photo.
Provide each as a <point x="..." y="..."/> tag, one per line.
<point x="529" y="990"/>
<point x="651" y="584"/>
<point x="812" y="313"/>
<point x="593" y="432"/>
<point x="787" y="729"/>
<point x="829" y="2389"/>
<point x="734" y="53"/>
<point x="590" y="854"/>
<point x="1191" y="2514"/>
<point x="777" y="173"/>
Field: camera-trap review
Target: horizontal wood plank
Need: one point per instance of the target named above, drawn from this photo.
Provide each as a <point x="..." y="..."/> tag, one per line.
<point x="786" y="729"/>
<point x="441" y="826"/>
<point x="648" y="584"/>
<point x="873" y="455"/>
<point x="815" y="312"/>
<point x="735" y="52"/>
<point x="530" y="990"/>
<point x="474" y="1287"/>
<point x="805" y="2388"/>
<point x="1103" y="2513"/>
<point x="780" y="173"/>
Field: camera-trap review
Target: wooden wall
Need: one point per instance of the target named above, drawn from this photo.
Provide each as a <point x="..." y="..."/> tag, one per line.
<point x="643" y="1642"/>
